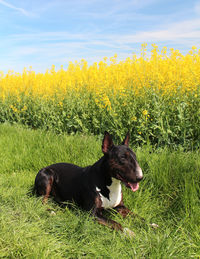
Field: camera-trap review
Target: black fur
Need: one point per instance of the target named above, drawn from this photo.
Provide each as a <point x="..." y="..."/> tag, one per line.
<point x="86" y="186"/>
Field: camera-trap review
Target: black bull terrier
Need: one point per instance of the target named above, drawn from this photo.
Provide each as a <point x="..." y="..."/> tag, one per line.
<point x="96" y="187"/>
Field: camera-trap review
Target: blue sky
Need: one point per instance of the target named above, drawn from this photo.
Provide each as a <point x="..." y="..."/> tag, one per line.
<point x="40" y="33"/>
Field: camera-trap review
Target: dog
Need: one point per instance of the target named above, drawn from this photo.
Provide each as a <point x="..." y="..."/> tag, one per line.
<point x="96" y="187"/>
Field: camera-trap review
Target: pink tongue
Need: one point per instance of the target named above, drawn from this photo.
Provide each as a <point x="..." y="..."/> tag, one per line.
<point x="134" y="186"/>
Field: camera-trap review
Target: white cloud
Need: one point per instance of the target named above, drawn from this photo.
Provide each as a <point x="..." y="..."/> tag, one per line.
<point x="58" y="45"/>
<point x="176" y="32"/>
<point x="21" y="10"/>
<point x="42" y="48"/>
<point x="197" y="7"/>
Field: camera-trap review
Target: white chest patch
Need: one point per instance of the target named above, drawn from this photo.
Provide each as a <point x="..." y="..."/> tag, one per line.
<point x="115" y="195"/>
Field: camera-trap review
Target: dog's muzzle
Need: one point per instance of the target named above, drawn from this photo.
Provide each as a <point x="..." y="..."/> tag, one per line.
<point x="133" y="186"/>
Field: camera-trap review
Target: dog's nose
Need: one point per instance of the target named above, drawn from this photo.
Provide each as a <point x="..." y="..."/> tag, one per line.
<point x="139" y="178"/>
<point x="139" y="174"/>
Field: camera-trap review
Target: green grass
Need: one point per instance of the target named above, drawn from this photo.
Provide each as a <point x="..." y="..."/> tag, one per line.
<point x="169" y="195"/>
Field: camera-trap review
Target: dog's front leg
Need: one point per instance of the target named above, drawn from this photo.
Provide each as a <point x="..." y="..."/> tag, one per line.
<point x="97" y="213"/>
<point x="122" y="210"/>
<point x="111" y="223"/>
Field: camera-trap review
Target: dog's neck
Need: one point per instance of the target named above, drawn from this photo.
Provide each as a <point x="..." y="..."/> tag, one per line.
<point x="108" y="187"/>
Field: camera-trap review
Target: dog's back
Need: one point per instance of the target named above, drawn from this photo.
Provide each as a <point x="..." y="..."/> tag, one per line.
<point x="65" y="182"/>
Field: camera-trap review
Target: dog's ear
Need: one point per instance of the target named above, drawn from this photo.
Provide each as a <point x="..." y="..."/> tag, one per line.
<point x="107" y="143"/>
<point x="126" y="140"/>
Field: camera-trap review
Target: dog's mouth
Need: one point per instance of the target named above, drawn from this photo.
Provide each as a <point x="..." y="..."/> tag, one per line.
<point x="133" y="186"/>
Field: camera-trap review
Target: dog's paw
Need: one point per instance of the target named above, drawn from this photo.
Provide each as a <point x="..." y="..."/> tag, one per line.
<point x="153" y="225"/>
<point x="128" y="232"/>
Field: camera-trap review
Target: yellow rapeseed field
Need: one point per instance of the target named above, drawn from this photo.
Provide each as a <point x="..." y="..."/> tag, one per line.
<point x="109" y="85"/>
<point x="160" y="72"/>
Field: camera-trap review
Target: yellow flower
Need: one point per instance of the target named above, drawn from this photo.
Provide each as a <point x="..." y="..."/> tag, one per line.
<point x="60" y="104"/>
<point x="14" y="108"/>
<point x="24" y="108"/>
<point x="134" y="118"/>
<point x="144" y="112"/>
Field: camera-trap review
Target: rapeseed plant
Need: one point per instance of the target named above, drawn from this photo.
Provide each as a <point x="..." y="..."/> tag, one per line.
<point x="110" y="94"/>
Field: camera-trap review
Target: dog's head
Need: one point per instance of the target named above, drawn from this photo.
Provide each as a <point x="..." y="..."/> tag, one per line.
<point x="122" y="162"/>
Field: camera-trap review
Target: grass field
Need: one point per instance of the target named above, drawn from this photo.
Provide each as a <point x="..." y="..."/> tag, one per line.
<point x="169" y="195"/>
